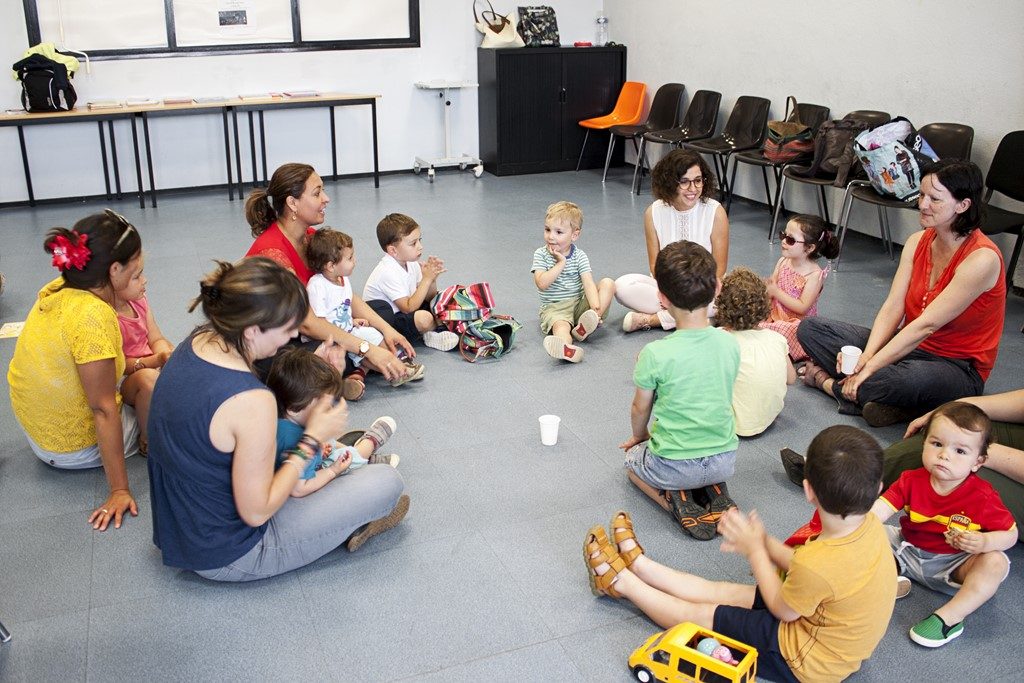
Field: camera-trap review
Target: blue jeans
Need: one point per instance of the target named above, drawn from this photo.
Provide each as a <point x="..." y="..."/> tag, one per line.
<point x="306" y="529"/>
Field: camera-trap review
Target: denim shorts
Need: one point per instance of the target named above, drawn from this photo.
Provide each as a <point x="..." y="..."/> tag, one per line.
<point x="678" y="475"/>
<point x="934" y="570"/>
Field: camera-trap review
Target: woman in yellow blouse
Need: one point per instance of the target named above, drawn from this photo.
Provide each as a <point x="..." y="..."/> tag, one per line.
<point x="68" y="360"/>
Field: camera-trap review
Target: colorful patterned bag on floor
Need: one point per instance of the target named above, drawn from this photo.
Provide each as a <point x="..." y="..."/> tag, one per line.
<point x="466" y="310"/>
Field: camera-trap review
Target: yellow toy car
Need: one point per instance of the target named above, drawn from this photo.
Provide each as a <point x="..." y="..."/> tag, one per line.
<point x="672" y="655"/>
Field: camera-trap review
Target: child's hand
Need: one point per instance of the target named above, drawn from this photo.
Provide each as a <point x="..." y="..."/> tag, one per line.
<point x="633" y="441"/>
<point x="360" y="322"/>
<point x="743" y="533"/>
<point x="967" y="541"/>
<point x="433" y="268"/>
<point x="342" y="463"/>
<point x="772" y="289"/>
<point x="162" y="358"/>
<point x="559" y="256"/>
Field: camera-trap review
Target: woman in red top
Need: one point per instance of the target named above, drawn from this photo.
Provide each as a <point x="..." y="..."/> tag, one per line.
<point x="282" y="217"/>
<point x="936" y="337"/>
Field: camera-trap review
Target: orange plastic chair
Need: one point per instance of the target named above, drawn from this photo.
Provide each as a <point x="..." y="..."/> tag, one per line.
<point x="629" y="109"/>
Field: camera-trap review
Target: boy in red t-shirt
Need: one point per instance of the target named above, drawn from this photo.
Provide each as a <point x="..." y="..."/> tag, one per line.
<point x="956" y="527"/>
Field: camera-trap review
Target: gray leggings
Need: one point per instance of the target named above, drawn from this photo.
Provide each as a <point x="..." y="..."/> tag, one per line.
<point x="305" y="529"/>
<point x="920" y="380"/>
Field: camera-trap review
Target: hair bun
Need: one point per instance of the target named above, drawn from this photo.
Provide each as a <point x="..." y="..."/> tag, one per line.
<point x="210" y="292"/>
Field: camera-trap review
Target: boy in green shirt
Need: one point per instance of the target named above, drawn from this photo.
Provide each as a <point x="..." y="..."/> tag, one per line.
<point x="686" y="380"/>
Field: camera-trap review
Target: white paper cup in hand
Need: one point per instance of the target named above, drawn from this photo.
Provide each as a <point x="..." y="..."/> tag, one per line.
<point x="851" y="356"/>
<point x="549" y="429"/>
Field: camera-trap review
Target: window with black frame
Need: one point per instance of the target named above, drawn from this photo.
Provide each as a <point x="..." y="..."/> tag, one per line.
<point x="114" y="29"/>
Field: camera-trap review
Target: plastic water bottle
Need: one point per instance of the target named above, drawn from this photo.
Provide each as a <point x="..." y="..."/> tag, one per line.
<point x="602" y="29"/>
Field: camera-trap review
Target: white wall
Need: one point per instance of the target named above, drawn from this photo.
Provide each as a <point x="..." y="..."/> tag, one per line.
<point x="189" y="151"/>
<point x="929" y="60"/>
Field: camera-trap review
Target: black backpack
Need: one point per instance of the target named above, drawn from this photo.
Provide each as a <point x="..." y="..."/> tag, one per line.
<point x="45" y="84"/>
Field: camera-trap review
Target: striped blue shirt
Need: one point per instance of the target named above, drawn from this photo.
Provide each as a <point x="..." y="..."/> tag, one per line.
<point x="568" y="284"/>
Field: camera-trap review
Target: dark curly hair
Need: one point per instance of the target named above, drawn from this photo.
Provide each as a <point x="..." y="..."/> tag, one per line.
<point x="673" y="166"/>
<point x="743" y="301"/>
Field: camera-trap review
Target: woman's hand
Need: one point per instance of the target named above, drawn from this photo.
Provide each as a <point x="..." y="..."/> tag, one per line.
<point x="917" y="425"/>
<point x="851" y="383"/>
<point x="327" y="419"/>
<point x="386" y="363"/>
<point x="395" y="341"/>
<point x="332" y="352"/>
<point x="117" y="503"/>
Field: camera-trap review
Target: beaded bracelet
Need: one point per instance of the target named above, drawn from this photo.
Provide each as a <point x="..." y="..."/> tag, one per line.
<point x="311" y="441"/>
<point x="296" y="452"/>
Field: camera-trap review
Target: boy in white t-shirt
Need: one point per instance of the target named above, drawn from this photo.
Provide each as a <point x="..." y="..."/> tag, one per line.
<point x="401" y="288"/>
<point x="332" y="254"/>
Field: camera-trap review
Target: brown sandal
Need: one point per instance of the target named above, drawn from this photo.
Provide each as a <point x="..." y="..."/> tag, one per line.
<point x="815" y="376"/>
<point x="598" y="550"/>
<point x="622" y="530"/>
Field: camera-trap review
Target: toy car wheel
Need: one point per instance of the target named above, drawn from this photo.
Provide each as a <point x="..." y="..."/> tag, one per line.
<point x="643" y="674"/>
<point x="416" y="169"/>
<point x="478" y="170"/>
<point x="430" y="174"/>
<point x="462" y="167"/>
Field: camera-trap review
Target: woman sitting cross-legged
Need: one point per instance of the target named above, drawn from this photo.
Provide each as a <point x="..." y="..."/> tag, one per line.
<point x="936" y="337"/>
<point x="220" y="508"/>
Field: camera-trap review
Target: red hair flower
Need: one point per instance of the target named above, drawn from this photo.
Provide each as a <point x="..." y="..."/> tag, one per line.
<point x="68" y="254"/>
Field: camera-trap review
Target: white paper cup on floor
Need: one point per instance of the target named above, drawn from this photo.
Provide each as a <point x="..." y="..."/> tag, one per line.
<point x="549" y="429"/>
<point x="851" y="356"/>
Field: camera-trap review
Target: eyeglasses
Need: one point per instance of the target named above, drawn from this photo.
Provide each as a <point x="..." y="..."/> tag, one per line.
<point x="685" y="183"/>
<point x="789" y="240"/>
<point x="128" y="227"/>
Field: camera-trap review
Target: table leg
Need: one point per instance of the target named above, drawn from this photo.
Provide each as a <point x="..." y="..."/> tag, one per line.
<point x="227" y="153"/>
<point x="149" y="158"/>
<point x="334" y="149"/>
<point x="376" y="164"/>
<point x="263" y="151"/>
<point x="103" y="155"/>
<point x="24" y="163"/>
<point x="138" y="162"/>
<point x="238" y="154"/>
<point x="113" y="156"/>
<point x="252" y="151"/>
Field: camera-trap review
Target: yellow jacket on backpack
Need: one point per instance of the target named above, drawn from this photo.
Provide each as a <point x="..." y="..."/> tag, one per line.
<point x="49" y="50"/>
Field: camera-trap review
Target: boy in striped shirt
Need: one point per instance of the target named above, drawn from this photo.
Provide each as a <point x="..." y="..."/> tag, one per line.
<point x="572" y="305"/>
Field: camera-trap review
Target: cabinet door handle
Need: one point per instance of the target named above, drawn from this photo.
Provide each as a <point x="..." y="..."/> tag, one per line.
<point x="561" y="96"/>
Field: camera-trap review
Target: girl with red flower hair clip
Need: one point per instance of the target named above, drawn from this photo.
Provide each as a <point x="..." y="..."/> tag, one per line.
<point x="65" y="375"/>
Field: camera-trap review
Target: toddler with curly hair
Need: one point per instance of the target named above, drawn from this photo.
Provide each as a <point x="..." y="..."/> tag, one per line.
<point x="765" y="368"/>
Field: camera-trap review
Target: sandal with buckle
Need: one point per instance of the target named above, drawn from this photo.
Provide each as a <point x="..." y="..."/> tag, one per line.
<point x="688" y="514"/>
<point x="622" y="530"/>
<point x="815" y="376"/>
<point x="598" y="550"/>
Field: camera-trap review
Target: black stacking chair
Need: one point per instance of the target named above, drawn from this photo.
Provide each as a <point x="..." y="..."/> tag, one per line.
<point x="666" y="111"/>
<point x="812" y="115"/>
<point x="1005" y="176"/>
<point x="948" y="140"/>
<point x="698" y="123"/>
<point x="795" y="172"/>
<point x="746" y="128"/>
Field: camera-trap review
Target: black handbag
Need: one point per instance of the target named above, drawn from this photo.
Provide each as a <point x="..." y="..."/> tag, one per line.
<point x="538" y="26"/>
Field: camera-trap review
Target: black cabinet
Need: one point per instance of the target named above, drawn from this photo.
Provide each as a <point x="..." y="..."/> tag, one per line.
<point x="531" y="100"/>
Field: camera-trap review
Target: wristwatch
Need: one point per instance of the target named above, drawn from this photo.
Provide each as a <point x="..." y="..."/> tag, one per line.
<point x="364" y="348"/>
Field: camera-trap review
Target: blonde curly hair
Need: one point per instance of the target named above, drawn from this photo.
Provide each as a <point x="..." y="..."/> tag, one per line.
<point x="743" y="301"/>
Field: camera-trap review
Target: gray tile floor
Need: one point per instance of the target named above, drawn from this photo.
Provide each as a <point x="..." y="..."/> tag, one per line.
<point x="484" y="580"/>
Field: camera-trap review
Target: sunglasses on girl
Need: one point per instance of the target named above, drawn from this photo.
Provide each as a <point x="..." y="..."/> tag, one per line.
<point x="790" y="241"/>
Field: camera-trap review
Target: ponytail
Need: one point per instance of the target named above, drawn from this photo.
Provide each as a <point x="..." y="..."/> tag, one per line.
<point x="259" y="214"/>
<point x="263" y="207"/>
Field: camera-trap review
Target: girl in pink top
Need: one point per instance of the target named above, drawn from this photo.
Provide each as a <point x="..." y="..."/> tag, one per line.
<point x="145" y="350"/>
<point x="796" y="282"/>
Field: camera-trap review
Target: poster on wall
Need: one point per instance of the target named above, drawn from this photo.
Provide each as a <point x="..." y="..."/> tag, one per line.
<point x="235" y="17"/>
<point x="201" y="22"/>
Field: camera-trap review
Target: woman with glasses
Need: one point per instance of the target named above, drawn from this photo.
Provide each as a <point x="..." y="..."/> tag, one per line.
<point x="68" y="362"/>
<point x="936" y="337"/>
<point x="683" y="209"/>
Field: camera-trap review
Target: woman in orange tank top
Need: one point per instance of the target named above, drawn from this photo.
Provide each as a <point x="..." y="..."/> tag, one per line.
<point x="936" y="337"/>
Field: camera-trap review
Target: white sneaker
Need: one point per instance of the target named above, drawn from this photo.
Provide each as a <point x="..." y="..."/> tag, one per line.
<point x="586" y="325"/>
<point x="559" y="350"/>
<point x="902" y="587"/>
<point x="636" y="321"/>
<point x="442" y="341"/>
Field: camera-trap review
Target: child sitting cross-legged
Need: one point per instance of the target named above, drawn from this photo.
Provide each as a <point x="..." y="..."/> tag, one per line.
<point x="686" y="380"/>
<point x="400" y="288"/>
<point x="956" y="527"/>
<point x="298" y="379"/>
<point x="572" y="305"/>
<point x="765" y="369"/>
<point x="332" y="255"/>
<point x="823" y="619"/>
